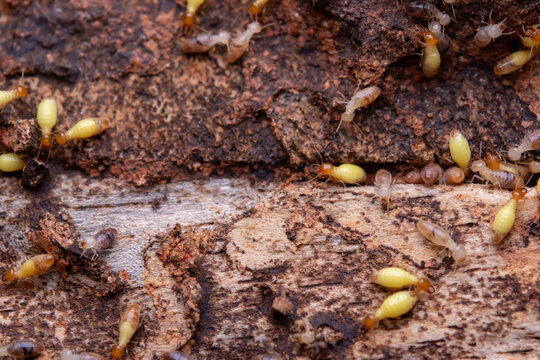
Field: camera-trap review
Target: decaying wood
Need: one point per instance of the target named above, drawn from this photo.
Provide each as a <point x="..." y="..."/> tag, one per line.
<point x="250" y="267"/>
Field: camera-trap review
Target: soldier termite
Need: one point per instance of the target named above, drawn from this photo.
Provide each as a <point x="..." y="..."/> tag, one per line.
<point x="431" y="173"/>
<point x="7" y="96"/>
<point x="383" y="183"/>
<point x="360" y="98"/>
<point x="345" y="173"/>
<point x="83" y="129"/>
<point x="190" y="14"/>
<point x="453" y="176"/>
<point x="128" y="326"/>
<point x="513" y="62"/>
<point x="36" y="265"/>
<point x="413" y="177"/>
<point x="493" y="162"/>
<point x="506" y="216"/>
<point x="11" y="162"/>
<point x="240" y="43"/>
<point x="204" y="42"/>
<point x="22" y="349"/>
<point x="46" y="119"/>
<point x="103" y="240"/>
<point x="175" y="355"/>
<point x="500" y="178"/>
<point x="439" y="236"/>
<point x="393" y="306"/>
<point x="431" y="59"/>
<point x="427" y="11"/>
<point x="256" y="6"/>
<point x="531" y="141"/>
<point x="70" y="355"/>
<point x="459" y="149"/>
<point x="531" y="36"/>
<point x="396" y="278"/>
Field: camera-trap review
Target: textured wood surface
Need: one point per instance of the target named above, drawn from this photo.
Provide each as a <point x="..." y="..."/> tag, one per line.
<point x="215" y="278"/>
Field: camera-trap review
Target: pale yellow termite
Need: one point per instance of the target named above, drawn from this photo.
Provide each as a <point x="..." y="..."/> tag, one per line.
<point x="531" y="36"/>
<point x="204" y="42"/>
<point x="46" y="119"/>
<point x="459" y="149"/>
<point x="493" y="162"/>
<point x="393" y="306"/>
<point x="383" y="183"/>
<point x="504" y="179"/>
<point x="439" y="236"/>
<point x="487" y="33"/>
<point x="240" y="43"/>
<point x="345" y="173"/>
<point x="506" y="216"/>
<point x="189" y="16"/>
<point x="11" y="162"/>
<point x="22" y="349"/>
<point x="7" y="96"/>
<point x="83" y="129"/>
<point x="36" y="265"/>
<point x="513" y="62"/>
<point x="431" y="59"/>
<point x="128" y="326"/>
<point x="396" y="278"/>
<point x="360" y="98"/>
<point x="531" y="141"/>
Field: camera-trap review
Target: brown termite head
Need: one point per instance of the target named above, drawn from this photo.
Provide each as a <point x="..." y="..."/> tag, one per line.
<point x="431" y="174"/>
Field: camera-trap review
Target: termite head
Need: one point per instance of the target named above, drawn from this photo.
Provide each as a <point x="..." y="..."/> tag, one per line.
<point x="459" y="254"/>
<point x="117" y="351"/>
<point x="255" y="8"/>
<point x="514" y="154"/>
<point x="435" y="27"/>
<point x="255" y="27"/>
<point x="492" y="160"/>
<point x="430" y="38"/>
<point x="21" y="91"/>
<point x="61" y="138"/>
<point x="478" y="165"/>
<point x="10" y="274"/>
<point x="324" y="169"/>
<point x="519" y="194"/>
<point x="494" y="31"/>
<point x="189" y="20"/>
<point x="223" y="37"/>
<point x="370" y="322"/>
<point x="45" y="140"/>
<point x="425" y="285"/>
<point x="85" y="244"/>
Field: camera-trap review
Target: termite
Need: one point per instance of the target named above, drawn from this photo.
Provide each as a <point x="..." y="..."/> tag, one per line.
<point x="443" y="42"/>
<point x="534" y="166"/>
<point x="175" y="355"/>
<point x="256" y="6"/>
<point x="46" y="119"/>
<point x="393" y="306"/>
<point x="493" y="162"/>
<point x="431" y="173"/>
<point x="427" y="11"/>
<point x="204" y="42"/>
<point x="103" y="240"/>
<point x="531" y="37"/>
<point x="240" y="43"/>
<point x="83" y="129"/>
<point x="22" y="349"/>
<point x="345" y="173"/>
<point x="413" y="177"/>
<point x="70" y="355"/>
<point x="487" y="33"/>
<point x="128" y="326"/>
<point x="359" y="99"/>
<point x="36" y="265"/>
<point x="11" y="162"/>
<point x="431" y="59"/>
<point x="189" y="16"/>
<point x="513" y="62"/>
<point x="506" y="216"/>
<point x="459" y="149"/>
<point x="503" y="179"/>
<point x="7" y="96"/>
<point x="396" y="278"/>
<point x="383" y="183"/>
<point x="531" y="141"/>
<point x="453" y="176"/>
<point x="439" y="236"/>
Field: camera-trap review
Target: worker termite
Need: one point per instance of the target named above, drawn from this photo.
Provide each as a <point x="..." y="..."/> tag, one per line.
<point x="128" y="326"/>
<point x="431" y="59"/>
<point x="431" y="173"/>
<point x="531" y="36"/>
<point x="240" y="43"/>
<point x="256" y="6"/>
<point x="204" y="42"/>
<point x="11" y="162"/>
<point x="189" y="15"/>
<point x="383" y="183"/>
<point x="393" y="306"/>
<point x="359" y="99"/>
<point x="459" y="149"/>
<point x="513" y="62"/>
<point x="22" y="349"/>
<point x="531" y="141"/>
<point x="83" y="129"/>
<point x="453" y="176"/>
<point x="396" y="278"/>
<point x="427" y="11"/>
<point x="7" y="96"/>
<point x="345" y="173"/>
<point x="443" y="42"/>
<point x="70" y="355"/>
<point x="493" y="162"/>
<point x="175" y="355"/>
<point x="36" y="265"/>
<point x="103" y="240"/>
<point x="506" y="216"/>
<point x="439" y="236"/>
<point x="46" y="119"/>
<point x="503" y="179"/>
<point x="487" y="33"/>
<point x="413" y="177"/>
